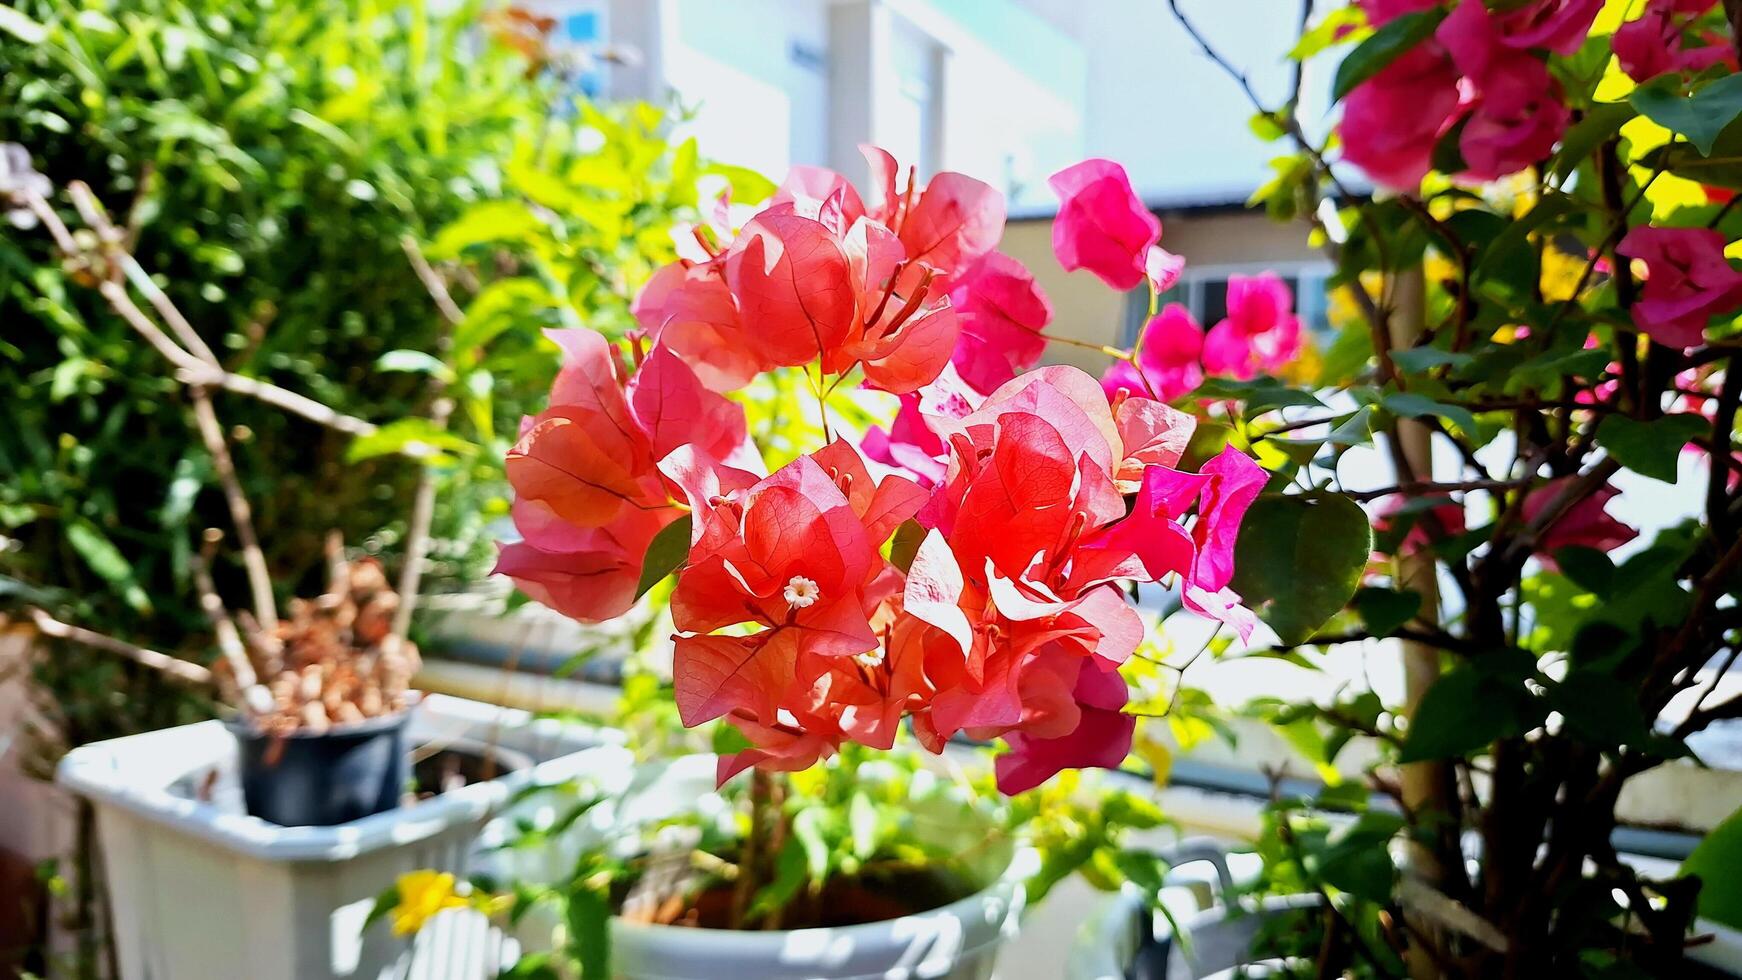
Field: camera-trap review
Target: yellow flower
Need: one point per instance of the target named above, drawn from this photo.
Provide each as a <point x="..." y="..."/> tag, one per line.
<point x="421" y="895"/>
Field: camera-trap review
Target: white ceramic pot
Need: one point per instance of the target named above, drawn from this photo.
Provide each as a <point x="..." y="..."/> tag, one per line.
<point x="959" y="941"/>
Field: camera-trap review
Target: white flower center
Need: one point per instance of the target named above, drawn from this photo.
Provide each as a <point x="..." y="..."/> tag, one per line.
<point x="870" y="658"/>
<point x="801" y="592"/>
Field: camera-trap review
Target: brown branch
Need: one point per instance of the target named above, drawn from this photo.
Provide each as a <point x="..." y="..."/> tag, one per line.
<point x="1422" y="487"/>
<point x="253" y="698"/>
<point x="241" y="514"/>
<point x="423" y="504"/>
<point x="174" y="667"/>
<point x="192" y="370"/>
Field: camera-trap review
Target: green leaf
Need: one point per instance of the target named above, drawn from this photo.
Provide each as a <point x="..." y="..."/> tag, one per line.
<point x="1601" y="122"/>
<point x="1299" y="558"/>
<point x="491" y="221"/>
<point x="385" y="901"/>
<point x="1588" y="568"/>
<point x="1356" y="859"/>
<point x="1419" y="360"/>
<point x="1463" y="712"/>
<point x="107" y="561"/>
<point x="417" y="438"/>
<point x="1387" y="44"/>
<point x="1384" y="611"/>
<point x="589" y="922"/>
<point x="22" y="27"/>
<point x="1700" y="116"/>
<point x="905" y="544"/>
<point x="1340" y="25"/>
<point x="1411" y="406"/>
<point x="789" y="877"/>
<point x="810" y="830"/>
<point x="1649" y="448"/>
<point x="665" y="553"/>
<point x="1715" y="861"/>
<point x="1600" y="708"/>
<point x="414" y="362"/>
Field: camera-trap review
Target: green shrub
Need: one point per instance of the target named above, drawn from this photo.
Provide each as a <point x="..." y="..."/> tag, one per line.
<point x="268" y="157"/>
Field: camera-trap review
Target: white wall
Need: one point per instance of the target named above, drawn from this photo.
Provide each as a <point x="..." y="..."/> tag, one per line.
<point x="756" y="73"/>
<point x="1175" y="120"/>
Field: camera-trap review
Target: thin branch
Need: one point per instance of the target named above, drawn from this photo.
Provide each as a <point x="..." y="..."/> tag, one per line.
<point x="174" y="667"/>
<point x="241" y="514"/>
<point x="423" y="504"/>
<point x="1424" y="488"/>
<point x="432" y="281"/>
<point x="253" y="697"/>
<point x="192" y="370"/>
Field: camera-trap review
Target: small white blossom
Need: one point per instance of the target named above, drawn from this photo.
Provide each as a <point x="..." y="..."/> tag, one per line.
<point x="801" y="592"/>
<point x="870" y="658"/>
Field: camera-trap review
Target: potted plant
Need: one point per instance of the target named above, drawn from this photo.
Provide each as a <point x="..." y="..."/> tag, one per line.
<point x="955" y="566"/>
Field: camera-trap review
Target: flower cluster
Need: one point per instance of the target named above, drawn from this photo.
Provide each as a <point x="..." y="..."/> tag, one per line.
<point x="1481" y="76"/>
<point x="1481" y="84"/>
<point x="1025" y="498"/>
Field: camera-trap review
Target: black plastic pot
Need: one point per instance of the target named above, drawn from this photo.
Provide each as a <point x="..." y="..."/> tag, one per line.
<point x="317" y="780"/>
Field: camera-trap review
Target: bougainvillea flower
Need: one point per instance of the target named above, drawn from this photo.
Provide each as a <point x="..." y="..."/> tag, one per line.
<point x="1381" y="12"/>
<point x="912" y="444"/>
<point x="1169" y="352"/>
<point x="1102" y="226"/>
<point x="1260" y="333"/>
<point x="1514" y="113"/>
<point x="1014" y="583"/>
<point x="690" y="310"/>
<point x="1421" y="532"/>
<point x="588" y="494"/>
<point x="1585" y="524"/>
<point x="1101" y="738"/>
<point x="1163" y="268"/>
<point x="1557" y="25"/>
<point x="1002" y="312"/>
<point x="1655" y="42"/>
<point x="795" y="554"/>
<point x="790" y="278"/>
<point x="1687" y="282"/>
<point x="1392" y="121"/>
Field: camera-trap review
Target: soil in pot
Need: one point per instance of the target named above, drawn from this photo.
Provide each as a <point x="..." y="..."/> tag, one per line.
<point x="873" y="897"/>
<point x="447" y="766"/>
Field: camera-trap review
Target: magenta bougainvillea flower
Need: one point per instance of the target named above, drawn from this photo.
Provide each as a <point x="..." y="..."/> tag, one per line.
<point x="1585" y="524"/>
<point x="1169" y="356"/>
<point x="1655" y="43"/>
<point x="1102" y="226"/>
<point x="1003" y="313"/>
<point x="1480" y="71"/>
<point x="1687" y="282"/>
<point x="1260" y="333"/>
<point x="1392" y="121"/>
<point x="1513" y="113"/>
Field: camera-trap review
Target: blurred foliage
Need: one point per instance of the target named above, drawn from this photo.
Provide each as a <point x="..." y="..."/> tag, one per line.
<point x="267" y="157"/>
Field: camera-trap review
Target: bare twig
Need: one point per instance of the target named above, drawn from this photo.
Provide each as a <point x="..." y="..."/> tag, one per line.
<point x="423" y="504"/>
<point x="432" y="281"/>
<point x="175" y="667"/>
<point x="241" y="514"/>
<point x="254" y="698"/>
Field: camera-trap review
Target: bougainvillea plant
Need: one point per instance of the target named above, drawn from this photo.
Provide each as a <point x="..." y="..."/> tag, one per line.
<point x="963" y="570"/>
<point x="1528" y="212"/>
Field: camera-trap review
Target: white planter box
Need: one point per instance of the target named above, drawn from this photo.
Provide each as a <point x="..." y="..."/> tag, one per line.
<point x="958" y="941"/>
<point x="199" y="889"/>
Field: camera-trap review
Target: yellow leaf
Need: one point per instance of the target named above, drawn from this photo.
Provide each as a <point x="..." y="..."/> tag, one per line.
<point x="1151" y="746"/>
